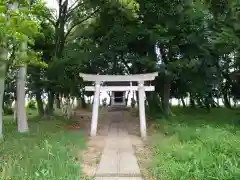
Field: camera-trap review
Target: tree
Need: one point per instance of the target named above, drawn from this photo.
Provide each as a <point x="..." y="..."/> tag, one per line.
<point x="17" y="28"/>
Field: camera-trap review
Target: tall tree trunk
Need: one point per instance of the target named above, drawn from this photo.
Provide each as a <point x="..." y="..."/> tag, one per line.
<point x="200" y="101"/>
<point x="39" y="103"/>
<point x="36" y="78"/>
<point x="137" y="101"/>
<point x="166" y="96"/>
<point x="207" y="103"/>
<point x="179" y="103"/>
<point x="2" y="84"/>
<point x="235" y="102"/>
<point x="69" y="107"/>
<point x="154" y="104"/>
<point x="218" y="104"/>
<point x="21" y="109"/>
<point x="79" y="102"/>
<point x="83" y="102"/>
<point x="3" y="70"/>
<point x="192" y="101"/>
<point x="49" y="108"/>
<point x="15" y="107"/>
<point x="183" y="102"/>
<point x="58" y="103"/>
<point x="3" y="66"/>
<point x="226" y="102"/>
<point x="211" y="100"/>
<point x="15" y="111"/>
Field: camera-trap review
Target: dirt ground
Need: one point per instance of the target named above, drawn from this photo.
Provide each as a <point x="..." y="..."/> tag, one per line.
<point x="90" y="157"/>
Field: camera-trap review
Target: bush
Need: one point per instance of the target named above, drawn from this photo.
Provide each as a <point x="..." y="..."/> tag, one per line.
<point x="7" y="110"/>
<point x="32" y="104"/>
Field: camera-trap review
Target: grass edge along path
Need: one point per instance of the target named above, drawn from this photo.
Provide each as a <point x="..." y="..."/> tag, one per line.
<point x="198" y="146"/>
<point x="49" y="151"/>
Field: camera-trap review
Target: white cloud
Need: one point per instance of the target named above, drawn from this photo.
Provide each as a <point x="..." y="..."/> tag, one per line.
<point x="52" y="3"/>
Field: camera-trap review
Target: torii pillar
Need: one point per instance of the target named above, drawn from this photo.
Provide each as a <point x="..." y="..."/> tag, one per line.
<point x="142" y="115"/>
<point x="95" y="109"/>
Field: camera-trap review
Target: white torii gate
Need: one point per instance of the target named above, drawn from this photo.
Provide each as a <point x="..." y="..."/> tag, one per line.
<point x="140" y="78"/>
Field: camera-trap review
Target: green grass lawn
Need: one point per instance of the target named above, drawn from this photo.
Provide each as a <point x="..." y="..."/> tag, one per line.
<point x="196" y="145"/>
<point x="48" y="152"/>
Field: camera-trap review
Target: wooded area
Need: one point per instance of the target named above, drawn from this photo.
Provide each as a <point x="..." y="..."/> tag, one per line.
<point x="43" y="52"/>
<point x="193" y="45"/>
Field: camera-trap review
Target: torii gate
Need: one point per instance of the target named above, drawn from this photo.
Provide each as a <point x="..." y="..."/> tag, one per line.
<point x="140" y="78"/>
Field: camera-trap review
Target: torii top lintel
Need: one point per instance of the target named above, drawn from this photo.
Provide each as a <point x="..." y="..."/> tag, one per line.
<point x="112" y="78"/>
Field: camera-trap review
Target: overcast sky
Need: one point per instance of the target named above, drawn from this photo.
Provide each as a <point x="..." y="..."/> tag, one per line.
<point x="51" y="3"/>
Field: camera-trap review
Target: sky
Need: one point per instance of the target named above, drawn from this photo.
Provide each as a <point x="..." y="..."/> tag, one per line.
<point x="54" y="3"/>
<point x="51" y="3"/>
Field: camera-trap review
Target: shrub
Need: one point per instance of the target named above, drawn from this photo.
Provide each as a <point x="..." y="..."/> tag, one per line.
<point x="32" y="104"/>
<point x="7" y="110"/>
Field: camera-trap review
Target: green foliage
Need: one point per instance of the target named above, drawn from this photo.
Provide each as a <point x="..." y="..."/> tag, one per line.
<point x="49" y="151"/>
<point x="7" y="110"/>
<point x="18" y="27"/>
<point x="199" y="47"/>
<point x="198" y="146"/>
<point x="32" y="104"/>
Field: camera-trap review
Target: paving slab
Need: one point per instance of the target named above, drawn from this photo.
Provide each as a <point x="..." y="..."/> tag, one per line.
<point x="108" y="164"/>
<point x="118" y="161"/>
<point x="118" y="178"/>
<point x="128" y="164"/>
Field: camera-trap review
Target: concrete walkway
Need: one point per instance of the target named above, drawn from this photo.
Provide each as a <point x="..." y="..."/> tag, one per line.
<point x="118" y="161"/>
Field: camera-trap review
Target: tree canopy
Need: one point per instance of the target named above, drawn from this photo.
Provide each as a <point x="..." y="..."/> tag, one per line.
<point x="194" y="45"/>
